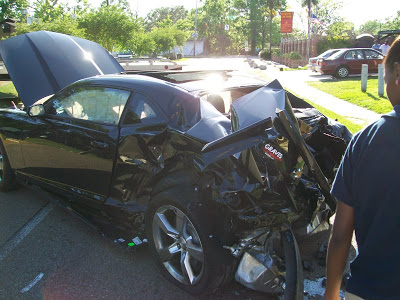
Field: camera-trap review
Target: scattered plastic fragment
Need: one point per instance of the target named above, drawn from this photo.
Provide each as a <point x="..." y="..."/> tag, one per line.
<point x="137" y="240"/>
<point x="120" y="240"/>
<point x="131" y="244"/>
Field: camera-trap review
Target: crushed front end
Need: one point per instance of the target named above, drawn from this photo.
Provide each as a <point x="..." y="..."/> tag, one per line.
<point x="273" y="176"/>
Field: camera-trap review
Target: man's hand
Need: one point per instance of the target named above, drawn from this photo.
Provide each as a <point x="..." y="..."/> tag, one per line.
<point x="338" y="249"/>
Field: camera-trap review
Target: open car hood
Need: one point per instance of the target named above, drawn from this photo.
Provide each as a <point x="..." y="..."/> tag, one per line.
<point x="42" y="63"/>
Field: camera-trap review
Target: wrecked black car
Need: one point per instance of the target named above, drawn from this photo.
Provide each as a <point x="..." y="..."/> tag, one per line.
<point x="219" y="183"/>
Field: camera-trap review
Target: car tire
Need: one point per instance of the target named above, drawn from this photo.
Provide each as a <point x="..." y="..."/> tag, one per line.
<point x="7" y="177"/>
<point x="182" y="240"/>
<point x="342" y="72"/>
<point x="294" y="280"/>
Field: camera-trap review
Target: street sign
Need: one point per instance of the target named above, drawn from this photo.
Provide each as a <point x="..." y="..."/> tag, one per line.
<point x="226" y="26"/>
<point x="194" y="35"/>
<point x="286" y="22"/>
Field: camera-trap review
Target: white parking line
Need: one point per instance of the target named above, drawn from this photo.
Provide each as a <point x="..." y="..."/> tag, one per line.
<point x="32" y="284"/>
<point x="13" y="242"/>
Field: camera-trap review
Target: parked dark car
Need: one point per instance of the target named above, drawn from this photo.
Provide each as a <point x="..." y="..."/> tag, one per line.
<point x="216" y="194"/>
<point x="313" y="61"/>
<point x="349" y="61"/>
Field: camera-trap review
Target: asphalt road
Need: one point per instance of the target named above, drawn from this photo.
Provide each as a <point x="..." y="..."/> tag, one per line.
<point x="70" y="260"/>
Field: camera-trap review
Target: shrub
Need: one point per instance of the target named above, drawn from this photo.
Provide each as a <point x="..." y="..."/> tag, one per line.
<point x="264" y="54"/>
<point x="294" y="55"/>
<point x="172" y="56"/>
<point x="333" y="43"/>
<point x="277" y="52"/>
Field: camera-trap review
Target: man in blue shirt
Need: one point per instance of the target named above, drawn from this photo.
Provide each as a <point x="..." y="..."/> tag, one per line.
<point x="376" y="45"/>
<point x="368" y="193"/>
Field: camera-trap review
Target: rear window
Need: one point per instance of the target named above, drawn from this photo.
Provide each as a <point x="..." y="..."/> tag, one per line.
<point x="337" y="54"/>
<point x="328" y="53"/>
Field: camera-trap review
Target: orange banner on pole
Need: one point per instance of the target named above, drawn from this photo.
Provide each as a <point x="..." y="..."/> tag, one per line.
<point x="286" y="22"/>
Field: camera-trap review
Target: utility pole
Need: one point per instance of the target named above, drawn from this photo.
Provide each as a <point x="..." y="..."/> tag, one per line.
<point x="308" y="34"/>
<point x="195" y="32"/>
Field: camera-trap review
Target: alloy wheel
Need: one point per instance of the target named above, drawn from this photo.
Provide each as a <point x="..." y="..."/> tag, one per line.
<point x="178" y="245"/>
<point x="343" y="72"/>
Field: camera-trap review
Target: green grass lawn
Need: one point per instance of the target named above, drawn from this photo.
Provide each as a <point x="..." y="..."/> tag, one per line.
<point x="295" y="69"/>
<point x="350" y="90"/>
<point x="352" y="127"/>
<point x="8" y="91"/>
<point x="181" y="60"/>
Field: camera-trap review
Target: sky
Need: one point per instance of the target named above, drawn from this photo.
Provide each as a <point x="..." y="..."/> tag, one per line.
<point x="356" y="11"/>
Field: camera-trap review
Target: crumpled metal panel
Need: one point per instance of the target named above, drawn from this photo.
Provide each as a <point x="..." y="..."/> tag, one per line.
<point x="259" y="272"/>
<point x="258" y="105"/>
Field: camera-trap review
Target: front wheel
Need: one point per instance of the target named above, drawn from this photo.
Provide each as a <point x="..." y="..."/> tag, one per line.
<point x="342" y="72"/>
<point x="7" y="177"/>
<point x="180" y="236"/>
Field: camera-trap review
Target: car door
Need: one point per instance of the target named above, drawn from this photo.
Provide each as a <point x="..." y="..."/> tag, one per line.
<point x="141" y="148"/>
<point x="74" y="148"/>
<point x="374" y="58"/>
<point x="354" y="59"/>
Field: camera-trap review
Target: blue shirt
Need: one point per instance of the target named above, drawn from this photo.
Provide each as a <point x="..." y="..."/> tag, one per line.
<point x="368" y="180"/>
<point x="376" y="46"/>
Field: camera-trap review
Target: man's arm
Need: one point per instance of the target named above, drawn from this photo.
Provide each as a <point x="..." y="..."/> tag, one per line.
<point x="338" y="249"/>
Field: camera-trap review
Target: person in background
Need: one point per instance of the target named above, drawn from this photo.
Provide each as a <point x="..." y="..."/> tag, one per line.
<point x="368" y="192"/>
<point x="376" y="45"/>
<point x="385" y="47"/>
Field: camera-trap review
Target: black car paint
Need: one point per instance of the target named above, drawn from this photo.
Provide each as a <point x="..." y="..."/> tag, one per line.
<point x="109" y="173"/>
<point x="143" y="154"/>
<point x="38" y="53"/>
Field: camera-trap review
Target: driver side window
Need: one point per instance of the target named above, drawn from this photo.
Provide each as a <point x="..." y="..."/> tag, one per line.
<point x="354" y="55"/>
<point x="140" y="110"/>
<point x="103" y="105"/>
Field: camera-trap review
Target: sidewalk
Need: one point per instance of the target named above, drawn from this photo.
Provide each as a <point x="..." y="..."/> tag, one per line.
<point x="295" y="81"/>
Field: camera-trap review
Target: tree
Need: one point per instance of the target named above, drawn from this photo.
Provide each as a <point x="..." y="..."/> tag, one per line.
<point x="343" y="29"/>
<point x="212" y="17"/>
<point x="12" y="8"/>
<point x="141" y="43"/>
<point x="109" y="26"/>
<point x="273" y="6"/>
<point x="308" y="4"/>
<point x="253" y="11"/>
<point x="66" y="25"/>
<point x="259" y="15"/>
<point x="372" y="27"/>
<point x="328" y="13"/>
<point x="175" y="14"/>
<point x="48" y="10"/>
<point x="395" y="22"/>
<point x="123" y="4"/>
<point x="166" y="38"/>
<point x="55" y="17"/>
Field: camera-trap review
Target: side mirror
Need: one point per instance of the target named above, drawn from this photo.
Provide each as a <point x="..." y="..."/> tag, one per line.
<point x="36" y="110"/>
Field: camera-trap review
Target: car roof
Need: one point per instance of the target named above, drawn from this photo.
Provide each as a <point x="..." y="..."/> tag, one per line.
<point x="181" y="107"/>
